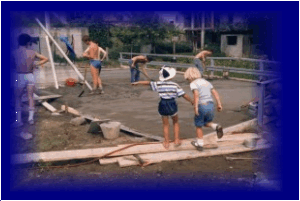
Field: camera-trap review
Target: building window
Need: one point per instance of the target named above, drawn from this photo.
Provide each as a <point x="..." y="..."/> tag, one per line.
<point x="231" y="40"/>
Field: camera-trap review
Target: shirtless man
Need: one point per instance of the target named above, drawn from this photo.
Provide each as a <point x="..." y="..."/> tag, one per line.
<point x="134" y="67"/>
<point x="23" y="61"/>
<point x="93" y="54"/>
<point x="202" y="56"/>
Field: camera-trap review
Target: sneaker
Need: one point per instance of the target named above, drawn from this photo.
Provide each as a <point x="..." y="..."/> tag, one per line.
<point x="93" y="92"/>
<point x="198" y="147"/>
<point x="219" y="130"/>
<point x="25" y="136"/>
<point x="100" y="91"/>
<point x="17" y="124"/>
<point x="31" y="121"/>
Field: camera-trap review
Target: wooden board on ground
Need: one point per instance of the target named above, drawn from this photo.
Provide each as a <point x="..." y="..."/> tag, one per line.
<point x="43" y="97"/>
<point x="126" y="161"/>
<point x="99" y="152"/>
<point x="230" y="140"/>
<point x="45" y="104"/>
<point x="129" y="130"/>
<point x="70" y="110"/>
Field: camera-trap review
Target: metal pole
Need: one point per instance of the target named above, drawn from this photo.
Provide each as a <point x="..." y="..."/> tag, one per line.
<point x="261" y="94"/>
<point x="47" y="20"/>
<point x="212" y="63"/>
<point x="261" y="68"/>
<point x="64" y="55"/>
<point x="202" y="30"/>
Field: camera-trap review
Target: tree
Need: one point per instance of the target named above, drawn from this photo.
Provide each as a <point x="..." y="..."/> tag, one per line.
<point x="151" y="29"/>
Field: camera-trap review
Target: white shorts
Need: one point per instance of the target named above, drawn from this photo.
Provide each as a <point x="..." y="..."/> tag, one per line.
<point x="23" y="80"/>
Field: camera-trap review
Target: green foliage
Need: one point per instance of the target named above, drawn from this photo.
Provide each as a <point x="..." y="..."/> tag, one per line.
<point x="185" y="60"/>
<point x="100" y="33"/>
<point x="167" y="47"/>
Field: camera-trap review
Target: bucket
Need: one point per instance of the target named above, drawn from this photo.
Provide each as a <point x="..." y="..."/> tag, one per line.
<point x="111" y="130"/>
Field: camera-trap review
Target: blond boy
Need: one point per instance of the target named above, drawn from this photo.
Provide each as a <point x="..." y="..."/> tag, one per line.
<point x="203" y="106"/>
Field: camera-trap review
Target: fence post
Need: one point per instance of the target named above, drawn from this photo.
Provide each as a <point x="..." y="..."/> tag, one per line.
<point x="106" y="53"/>
<point x="261" y="68"/>
<point x="261" y="100"/>
<point x="121" y="57"/>
<point x="212" y="64"/>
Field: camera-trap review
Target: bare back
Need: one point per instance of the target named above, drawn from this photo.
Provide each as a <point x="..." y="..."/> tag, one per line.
<point x="203" y="54"/>
<point x="93" y="51"/>
<point x="139" y="59"/>
<point x="24" y="60"/>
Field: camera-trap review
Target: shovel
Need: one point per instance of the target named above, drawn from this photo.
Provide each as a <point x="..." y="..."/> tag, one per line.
<point x="83" y="87"/>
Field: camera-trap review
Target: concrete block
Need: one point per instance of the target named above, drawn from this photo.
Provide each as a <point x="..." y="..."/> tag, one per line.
<point x="78" y="121"/>
<point x="111" y="130"/>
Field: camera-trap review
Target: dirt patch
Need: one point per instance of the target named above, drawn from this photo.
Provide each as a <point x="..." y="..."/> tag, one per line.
<point x="55" y="133"/>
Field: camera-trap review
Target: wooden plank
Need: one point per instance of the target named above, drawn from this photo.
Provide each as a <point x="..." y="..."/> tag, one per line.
<point x="43" y="97"/>
<point x="129" y="130"/>
<point x="190" y="154"/>
<point x="228" y="130"/>
<point x="228" y="140"/>
<point x="238" y="137"/>
<point x="99" y="152"/>
<point x="71" y="110"/>
<point x="45" y="104"/>
<point x="106" y="161"/>
<point x="48" y="106"/>
<point x="60" y="155"/>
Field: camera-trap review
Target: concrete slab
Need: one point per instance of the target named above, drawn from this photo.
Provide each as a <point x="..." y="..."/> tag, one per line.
<point x="136" y="107"/>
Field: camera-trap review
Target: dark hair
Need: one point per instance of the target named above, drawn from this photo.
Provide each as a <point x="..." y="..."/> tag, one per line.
<point x="149" y="58"/>
<point x="86" y="38"/>
<point x="211" y="50"/>
<point x="24" y="39"/>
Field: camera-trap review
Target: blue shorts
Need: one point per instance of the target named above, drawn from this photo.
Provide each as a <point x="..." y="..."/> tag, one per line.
<point x="96" y="63"/>
<point x="206" y="114"/>
<point x="167" y="107"/>
<point x="130" y="62"/>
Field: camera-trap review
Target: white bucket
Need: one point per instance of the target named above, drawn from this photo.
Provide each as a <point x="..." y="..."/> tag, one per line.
<point x="111" y="130"/>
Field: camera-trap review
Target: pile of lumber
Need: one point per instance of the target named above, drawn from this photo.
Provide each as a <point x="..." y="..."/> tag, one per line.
<point x="146" y="153"/>
<point x="151" y="152"/>
<point x="233" y="143"/>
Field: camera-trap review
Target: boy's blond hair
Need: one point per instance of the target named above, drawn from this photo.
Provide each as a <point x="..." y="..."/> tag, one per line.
<point x="192" y="73"/>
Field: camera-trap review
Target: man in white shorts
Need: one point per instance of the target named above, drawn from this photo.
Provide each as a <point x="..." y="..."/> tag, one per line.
<point x="23" y="61"/>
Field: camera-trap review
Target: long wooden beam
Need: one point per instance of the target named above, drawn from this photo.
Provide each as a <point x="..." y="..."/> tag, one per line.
<point x="138" y="149"/>
<point x="45" y="103"/>
<point x="126" y="161"/>
<point x="228" y="140"/>
<point x="43" y="97"/>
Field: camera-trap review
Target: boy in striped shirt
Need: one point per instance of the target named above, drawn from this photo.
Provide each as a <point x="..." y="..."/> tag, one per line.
<point x="168" y="92"/>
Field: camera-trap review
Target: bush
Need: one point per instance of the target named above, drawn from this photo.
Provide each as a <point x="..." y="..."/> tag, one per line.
<point x="167" y="47"/>
<point x="114" y="53"/>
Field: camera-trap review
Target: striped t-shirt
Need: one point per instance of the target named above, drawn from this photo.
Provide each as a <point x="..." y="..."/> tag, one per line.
<point x="167" y="89"/>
